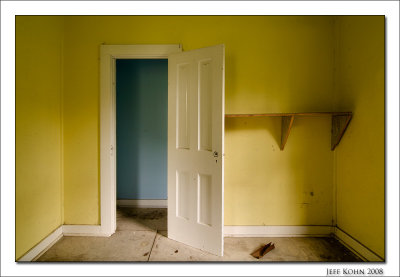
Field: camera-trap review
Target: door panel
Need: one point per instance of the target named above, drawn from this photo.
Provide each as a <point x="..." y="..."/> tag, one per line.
<point x="195" y="148"/>
<point x="182" y="111"/>
<point x="205" y="105"/>
<point x="204" y="199"/>
<point x="183" y="194"/>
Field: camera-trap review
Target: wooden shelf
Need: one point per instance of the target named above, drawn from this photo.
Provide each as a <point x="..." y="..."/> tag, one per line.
<point x="340" y="121"/>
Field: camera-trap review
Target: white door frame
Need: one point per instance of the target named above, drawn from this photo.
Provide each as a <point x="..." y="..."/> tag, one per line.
<point x="107" y="113"/>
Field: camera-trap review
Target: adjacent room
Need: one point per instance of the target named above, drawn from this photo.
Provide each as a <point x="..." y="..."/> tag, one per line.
<point x="200" y="138"/>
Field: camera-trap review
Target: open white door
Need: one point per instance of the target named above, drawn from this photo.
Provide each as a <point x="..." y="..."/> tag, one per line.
<point x="196" y="84"/>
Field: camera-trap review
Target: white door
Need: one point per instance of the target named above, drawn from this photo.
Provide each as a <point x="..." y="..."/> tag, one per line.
<point x="196" y="83"/>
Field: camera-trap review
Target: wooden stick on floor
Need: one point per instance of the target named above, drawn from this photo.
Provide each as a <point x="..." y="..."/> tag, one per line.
<point x="264" y="249"/>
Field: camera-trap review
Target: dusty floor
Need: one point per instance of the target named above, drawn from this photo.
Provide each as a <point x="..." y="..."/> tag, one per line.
<point x="142" y="236"/>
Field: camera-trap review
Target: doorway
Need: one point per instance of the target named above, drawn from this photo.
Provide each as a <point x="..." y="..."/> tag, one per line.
<point x="109" y="54"/>
<point x="195" y="140"/>
<point x="141" y="131"/>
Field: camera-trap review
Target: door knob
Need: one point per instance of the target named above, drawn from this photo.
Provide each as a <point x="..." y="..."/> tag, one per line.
<point x="215" y="154"/>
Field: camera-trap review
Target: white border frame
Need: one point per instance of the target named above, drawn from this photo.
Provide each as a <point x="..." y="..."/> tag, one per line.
<point x="10" y="8"/>
<point x="107" y="110"/>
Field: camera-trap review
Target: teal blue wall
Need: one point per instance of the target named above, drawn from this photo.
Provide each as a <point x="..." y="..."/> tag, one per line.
<point x="142" y="102"/>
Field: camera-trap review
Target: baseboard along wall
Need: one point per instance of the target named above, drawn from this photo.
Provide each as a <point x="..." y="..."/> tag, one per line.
<point x="145" y="203"/>
<point x="278" y="231"/>
<point x="84" y="230"/>
<point x="42" y="246"/>
<point x="356" y="247"/>
<point x="229" y="231"/>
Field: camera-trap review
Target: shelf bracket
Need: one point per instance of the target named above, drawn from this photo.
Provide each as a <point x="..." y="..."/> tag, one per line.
<point x="339" y="126"/>
<point x="287" y="122"/>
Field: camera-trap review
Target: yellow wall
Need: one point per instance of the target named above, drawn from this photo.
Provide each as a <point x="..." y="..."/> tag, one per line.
<point x="266" y="186"/>
<point x="273" y="64"/>
<point x="38" y="129"/>
<point x="359" y="87"/>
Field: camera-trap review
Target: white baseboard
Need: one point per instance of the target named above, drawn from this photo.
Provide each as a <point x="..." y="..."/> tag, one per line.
<point x="229" y="231"/>
<point x="145" y="203"/>
<point x="278" y="231"/>
<point x="356" y="247"/>
<point x="42" y="246"/>
<point x="84" y="230"/>
<point x="304" y="231"/>
<point x="64" y="230"/>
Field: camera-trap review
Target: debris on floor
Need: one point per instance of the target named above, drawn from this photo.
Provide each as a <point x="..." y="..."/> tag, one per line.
<point x="264" y="249"/>
<point x="144" y="245"/>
